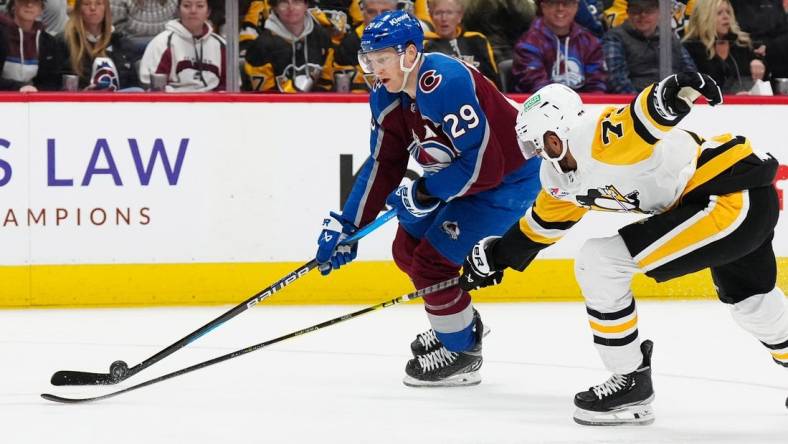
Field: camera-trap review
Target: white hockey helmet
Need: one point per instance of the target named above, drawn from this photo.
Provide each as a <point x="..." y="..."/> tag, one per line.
<point x="555" y="108"/>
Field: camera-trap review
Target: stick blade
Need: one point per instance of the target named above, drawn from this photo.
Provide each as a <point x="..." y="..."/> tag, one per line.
<point x="60" y="399"/>
<point x="70" y="377"/>
<point x="64" y="400"/>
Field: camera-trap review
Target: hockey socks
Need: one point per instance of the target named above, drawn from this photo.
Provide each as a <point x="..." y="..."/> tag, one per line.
<point x="443" y="368"/>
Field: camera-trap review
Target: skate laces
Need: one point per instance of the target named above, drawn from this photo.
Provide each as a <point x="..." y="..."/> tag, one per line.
<point x="436" y="359"/>
<point x="428" y="338"/>
<point x="612" y="385"/>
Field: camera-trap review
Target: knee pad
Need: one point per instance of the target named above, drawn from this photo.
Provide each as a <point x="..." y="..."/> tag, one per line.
<point x="604" y="270"/>
<point x="586" y="260"/>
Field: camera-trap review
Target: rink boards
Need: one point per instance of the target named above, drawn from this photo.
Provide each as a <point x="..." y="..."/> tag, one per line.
<point x="179" y="201"/>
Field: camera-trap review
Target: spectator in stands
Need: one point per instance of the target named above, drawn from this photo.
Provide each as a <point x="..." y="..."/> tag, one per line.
<point x="558" y="50"/>
<point x="141" y="20"/>
<point x="188" y="52"/>
<point x="346" y="56"/>
<point x="355" y="16"/>
<point x="253" y="15"/>
<point x="720" y="49"/>
<point x="632" y="50"/>
<point x="451" y="39"/>
<point x="765" y="21"/>
<point x="352" y="9"/>
<point x="501" y="21"/>
<point x="338" y="17"/>
<point x="31" y="62"/>
<point x="616" y="14"/>
<point x="89" y="49"/>
<point x="291" y="54"/>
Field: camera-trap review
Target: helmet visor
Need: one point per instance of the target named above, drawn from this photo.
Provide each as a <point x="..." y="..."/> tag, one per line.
<point x="376" y="60"/>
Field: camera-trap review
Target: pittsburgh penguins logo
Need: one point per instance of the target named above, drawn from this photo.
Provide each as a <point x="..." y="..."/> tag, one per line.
<point x="609" y="198"/>
<point x="429" y="81"/>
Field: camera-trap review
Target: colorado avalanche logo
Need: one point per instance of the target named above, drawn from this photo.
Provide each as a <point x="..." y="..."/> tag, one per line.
<point x="572" y="76"/>
<point x="431" y="155"/>
<point x="105" y="76"/>
<point x="429" y="81"/>
<point x="452" y="229"/>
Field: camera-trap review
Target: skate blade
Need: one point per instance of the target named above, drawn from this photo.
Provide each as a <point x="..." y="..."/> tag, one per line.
<point x="642" y="414"/>
<point x="461" y="380"/>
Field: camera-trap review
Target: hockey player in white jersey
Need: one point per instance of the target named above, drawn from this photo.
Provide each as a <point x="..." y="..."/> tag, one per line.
<point x="711" y="204"/>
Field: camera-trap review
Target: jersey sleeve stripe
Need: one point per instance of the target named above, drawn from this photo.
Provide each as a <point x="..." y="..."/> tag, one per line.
<point x="534" y="232"/>
<point x="548" y="219"/>
<point x="363" y="202"/>
<point x="555" y="210"/>
<point x="647" y="129"/>
<point x="553" y="225"/>
<point x="381" y="133"/>
<point x="479" y="159"/>
<point x="714" y="166"/>
<point x="640" y="129"/>
<point x="711" y="152"/>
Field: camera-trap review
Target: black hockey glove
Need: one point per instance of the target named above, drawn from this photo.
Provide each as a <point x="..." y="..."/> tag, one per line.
<point x="679" y="91"/>
<point x="478" y="270"/>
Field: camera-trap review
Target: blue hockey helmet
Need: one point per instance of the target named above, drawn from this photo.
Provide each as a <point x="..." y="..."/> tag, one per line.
<point x="392" y="29"/>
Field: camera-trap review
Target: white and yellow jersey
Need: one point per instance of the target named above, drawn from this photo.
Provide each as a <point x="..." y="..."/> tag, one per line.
<point x="627" y="161"/>
<point x="632" y="159"/>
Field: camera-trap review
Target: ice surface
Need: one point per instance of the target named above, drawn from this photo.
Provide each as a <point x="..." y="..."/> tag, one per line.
<point x="714" y="383"/>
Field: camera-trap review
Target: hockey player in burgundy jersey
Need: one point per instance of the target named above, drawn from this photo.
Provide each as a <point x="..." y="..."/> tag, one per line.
<point x="460" y="129"/>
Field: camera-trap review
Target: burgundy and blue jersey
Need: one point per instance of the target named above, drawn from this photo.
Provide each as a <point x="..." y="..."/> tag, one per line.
<point x="459" y="128"/>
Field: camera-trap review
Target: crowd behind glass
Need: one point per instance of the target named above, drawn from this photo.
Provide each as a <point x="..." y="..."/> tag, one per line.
<point x="291" y="46"/>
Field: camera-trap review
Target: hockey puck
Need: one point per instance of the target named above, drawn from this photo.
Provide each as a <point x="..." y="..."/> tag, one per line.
<point x="118" y="370"/>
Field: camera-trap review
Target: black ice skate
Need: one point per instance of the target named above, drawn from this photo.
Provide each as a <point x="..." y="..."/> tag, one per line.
<point x="443" y="368"/>
<point x="622" y="399"/>
<point x="427" y="342"/>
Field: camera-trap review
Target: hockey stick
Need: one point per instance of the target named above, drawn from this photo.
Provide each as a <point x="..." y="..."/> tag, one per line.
<point x="120" y="371"/>
<point x="408" y="297"/>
